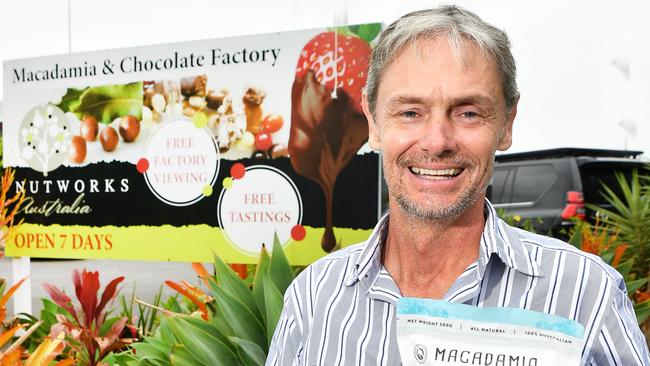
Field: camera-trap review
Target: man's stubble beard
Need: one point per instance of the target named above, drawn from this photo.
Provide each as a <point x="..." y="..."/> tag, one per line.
<point x="467" y="199"/>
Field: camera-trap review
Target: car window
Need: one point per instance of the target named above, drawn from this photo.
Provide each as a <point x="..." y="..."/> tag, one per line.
<point x="531" y="181"/>
<point x="502" y="185"/>
<point x="595" y="175"/>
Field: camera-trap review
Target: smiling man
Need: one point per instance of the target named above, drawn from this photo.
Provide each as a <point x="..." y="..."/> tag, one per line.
<point x="441" y="98"/>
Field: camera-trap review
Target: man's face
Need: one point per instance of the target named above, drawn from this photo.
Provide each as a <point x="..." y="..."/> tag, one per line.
<point x="438" y="120"/>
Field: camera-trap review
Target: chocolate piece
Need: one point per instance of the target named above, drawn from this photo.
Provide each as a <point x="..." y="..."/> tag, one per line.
<point x="260" y="154"/>
<point x="161" y="97"/>
<point x="194" y="85"/>
<point x="215" y="100"/>
<point x="253" y="97"/>
<point x="325" y="135"/>
<point x="278" y="151"/>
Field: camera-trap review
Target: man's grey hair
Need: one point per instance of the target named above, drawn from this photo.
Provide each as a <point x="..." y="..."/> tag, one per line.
<point x="459" y="26"/>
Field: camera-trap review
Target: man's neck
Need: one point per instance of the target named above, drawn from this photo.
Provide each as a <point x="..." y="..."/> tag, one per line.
<point x="425" y="257"/>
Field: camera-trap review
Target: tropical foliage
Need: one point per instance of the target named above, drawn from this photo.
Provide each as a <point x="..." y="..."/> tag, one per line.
<point x="228" y="319"/>
<point x="141" y="319"/>
<point x="629" y="217"/>
<point x="621" y="236"/>
<point x="598" y="239"/>
<point x="89" y="332"/>
<point x="233" y="322"/>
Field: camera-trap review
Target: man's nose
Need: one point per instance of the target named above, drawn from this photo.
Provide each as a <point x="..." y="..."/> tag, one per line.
<point x="439" y="135"/>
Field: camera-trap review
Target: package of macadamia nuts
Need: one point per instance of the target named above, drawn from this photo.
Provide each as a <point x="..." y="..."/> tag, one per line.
<point x="437" y="333"/>
<point x="178" y="151"/>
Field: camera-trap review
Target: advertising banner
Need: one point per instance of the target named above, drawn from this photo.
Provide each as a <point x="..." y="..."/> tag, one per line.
<point x="179" y="151"/>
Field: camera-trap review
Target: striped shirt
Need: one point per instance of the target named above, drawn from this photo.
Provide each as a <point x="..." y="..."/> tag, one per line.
<point x="341" y="309"/>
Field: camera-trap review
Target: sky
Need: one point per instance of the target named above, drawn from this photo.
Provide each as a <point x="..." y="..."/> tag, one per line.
<point x="572" y="56"/>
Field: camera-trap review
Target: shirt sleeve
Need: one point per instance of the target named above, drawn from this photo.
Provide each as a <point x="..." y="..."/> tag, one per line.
<point x="620" y="340"/>
<point x="286" y="344"/>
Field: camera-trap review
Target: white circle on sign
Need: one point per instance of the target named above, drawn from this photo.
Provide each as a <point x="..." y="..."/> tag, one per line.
<point x="183" y="162"/>
<point x="264" y="202"/>
<point x="44" y="138"/>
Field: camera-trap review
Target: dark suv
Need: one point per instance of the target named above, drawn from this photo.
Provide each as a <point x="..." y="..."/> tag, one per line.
<point x="550" y="187"/>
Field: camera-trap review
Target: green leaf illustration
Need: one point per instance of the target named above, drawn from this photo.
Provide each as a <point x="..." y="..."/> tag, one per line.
<point x="108" y="102"/>
<point x="71" y="99"/>
<point x="367" y="32"/>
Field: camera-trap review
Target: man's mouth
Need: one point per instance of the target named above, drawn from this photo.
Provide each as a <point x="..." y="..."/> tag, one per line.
<point x="436" y="174"/>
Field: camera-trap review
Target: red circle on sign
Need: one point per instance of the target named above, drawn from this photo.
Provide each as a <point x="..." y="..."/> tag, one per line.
<point x="237" y="170"/>
<point x="143" y="165"/>
<point x="298" y="232"/>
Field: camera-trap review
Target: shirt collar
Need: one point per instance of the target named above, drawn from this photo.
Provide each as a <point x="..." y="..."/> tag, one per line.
<point x="368" y="263"/>
<point x="503" y="240"/>
<point x="498" y="238"/>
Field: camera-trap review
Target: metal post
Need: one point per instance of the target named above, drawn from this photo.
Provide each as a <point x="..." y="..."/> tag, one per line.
<point x="23" y="296"/>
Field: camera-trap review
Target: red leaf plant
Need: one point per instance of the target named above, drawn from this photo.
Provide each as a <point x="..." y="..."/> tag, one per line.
<point x="89" y="332"/>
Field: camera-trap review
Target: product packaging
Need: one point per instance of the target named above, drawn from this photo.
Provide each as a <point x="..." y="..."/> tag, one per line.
<point x="434" y="332"/>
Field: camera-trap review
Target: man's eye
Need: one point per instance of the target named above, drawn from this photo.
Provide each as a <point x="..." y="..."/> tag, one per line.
<point x="409" y="114"/>
<point x="469" y="114"/>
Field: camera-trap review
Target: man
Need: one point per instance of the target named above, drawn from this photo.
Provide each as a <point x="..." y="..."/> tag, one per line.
<point x="441" y="98"/>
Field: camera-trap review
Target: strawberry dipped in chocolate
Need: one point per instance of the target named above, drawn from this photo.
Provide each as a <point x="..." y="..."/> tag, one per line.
<point x="327" y="123"/>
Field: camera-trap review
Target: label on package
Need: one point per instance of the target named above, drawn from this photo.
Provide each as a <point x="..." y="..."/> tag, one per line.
<point x="438" y="333"/>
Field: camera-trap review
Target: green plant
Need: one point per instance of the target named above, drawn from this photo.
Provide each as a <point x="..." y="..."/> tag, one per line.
<point x="629" y="222"/>
<point x="528" y="224"/>
<point x="46" y="318"/>
<point x="146" y="320"/>
<point x="630" y="216"/>
<point x="240" y="320"/>
<point x="90" y="333"/>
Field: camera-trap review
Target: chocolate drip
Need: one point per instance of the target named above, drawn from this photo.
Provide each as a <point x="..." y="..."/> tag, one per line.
<point x="325" y="134"/>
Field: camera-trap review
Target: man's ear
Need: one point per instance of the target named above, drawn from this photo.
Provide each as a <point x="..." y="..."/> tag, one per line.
<point x="505" y="139"/>
<point x="374" y="139"/>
